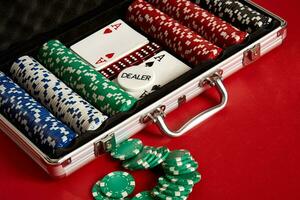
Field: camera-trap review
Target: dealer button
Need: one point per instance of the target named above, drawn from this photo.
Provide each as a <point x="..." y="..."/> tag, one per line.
<point x="136" y="78"/>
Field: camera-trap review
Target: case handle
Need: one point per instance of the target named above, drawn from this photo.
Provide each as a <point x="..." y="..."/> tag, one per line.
<point x="216" y="81"/>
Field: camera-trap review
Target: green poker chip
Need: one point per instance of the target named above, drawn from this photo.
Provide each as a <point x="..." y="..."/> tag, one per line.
<point x="145" y="163"/>
<point x="138" y="161"/>
<point x="182" y="171"/>
<point x="185" y="179"/>
<point x="96" y="192"/>
<point x="155" y="157"/>
<point x="164" y="184"/>
<point x="117" y="184"/>
<point x="191" y="163"/>
<point x="146" y="195"/>
<point x="127" y="149"/>
<point x="179" y="161"/>
<point x="177" y="156"/>
<point x="188" y="167"/>
<point x="159" y="195"/>
<point x="181" y="165"/>
<point x="163" y="153"/>
<point x="174" y="193"/>
<point x="104" y="94"/>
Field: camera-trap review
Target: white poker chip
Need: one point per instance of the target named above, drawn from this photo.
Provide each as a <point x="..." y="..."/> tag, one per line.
<point x="136" y="78"/>
<point x="61" y="100"/>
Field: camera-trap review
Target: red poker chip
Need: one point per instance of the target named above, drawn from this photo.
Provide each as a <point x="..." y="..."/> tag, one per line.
<point x="201" y="21"/>
<point x="182" y="40"/>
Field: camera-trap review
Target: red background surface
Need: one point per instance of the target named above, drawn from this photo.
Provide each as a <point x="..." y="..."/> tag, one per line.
<point x="250" y="150"/>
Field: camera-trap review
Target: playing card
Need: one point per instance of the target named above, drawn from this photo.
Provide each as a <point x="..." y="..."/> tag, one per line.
<point x="151" y="75"/>
<point x="109" y="44"/>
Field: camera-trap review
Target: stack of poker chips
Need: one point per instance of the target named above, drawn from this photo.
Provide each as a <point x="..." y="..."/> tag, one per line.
<point x="235" y="12"/>
<point x="169" y="32"/>
<point x="52" y="93"/>
<point x="179" y="167"/>
<point x="104" y="94"/>
<point x="32" y="118"/>
<point x="209" y="26"/>
<point x="180" y="176"/>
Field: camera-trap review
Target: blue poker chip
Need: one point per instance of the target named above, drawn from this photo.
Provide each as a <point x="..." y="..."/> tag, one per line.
<point x="31" y="118"/>
<point x="65" y="104"/>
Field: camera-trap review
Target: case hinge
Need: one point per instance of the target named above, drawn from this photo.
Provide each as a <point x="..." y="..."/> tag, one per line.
<point x="181" y="100"/>
<point x="105" y="144"/>
<point x="66" y="162"/>
<point x="252" y="55"/>
<point x="282" y="33"/>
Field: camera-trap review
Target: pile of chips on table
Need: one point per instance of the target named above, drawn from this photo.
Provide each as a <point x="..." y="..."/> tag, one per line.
<point x="179" y="167"/>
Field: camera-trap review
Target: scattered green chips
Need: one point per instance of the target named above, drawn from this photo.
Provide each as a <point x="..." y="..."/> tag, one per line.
<point x="127" y="149"/>
<point x="117" y="184"/>
<point x="176" y="184"/>
<point x="104" y="94"/>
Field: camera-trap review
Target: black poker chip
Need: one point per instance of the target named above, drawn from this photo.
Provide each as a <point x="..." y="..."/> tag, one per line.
<point x="237" y="13"/>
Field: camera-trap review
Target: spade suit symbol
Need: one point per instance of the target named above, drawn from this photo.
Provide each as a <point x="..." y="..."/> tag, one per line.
<point x="149" y="64"/>
<point x="155" y="87"/>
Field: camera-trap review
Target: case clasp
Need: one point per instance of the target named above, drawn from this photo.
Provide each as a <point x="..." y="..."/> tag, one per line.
<point x="252" y="55"/>
<point x="149" y="117"/>
<point x="105" y="144"/>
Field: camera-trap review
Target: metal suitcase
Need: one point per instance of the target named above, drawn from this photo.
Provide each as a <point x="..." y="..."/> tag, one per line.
<point x="155" y="111"/>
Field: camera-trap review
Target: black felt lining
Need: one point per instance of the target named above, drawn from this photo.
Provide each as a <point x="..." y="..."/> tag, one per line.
<point x="93" y="21"/>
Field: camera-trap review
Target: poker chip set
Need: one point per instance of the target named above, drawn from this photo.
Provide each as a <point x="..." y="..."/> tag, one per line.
<point x="56" y="93"/>
<point x="179" y="167"/>
<point x="70" y="94"/>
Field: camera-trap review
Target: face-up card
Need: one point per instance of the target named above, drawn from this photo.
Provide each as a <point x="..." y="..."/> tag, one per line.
<point x="151" y="75"/>
<point x="109" y="44"/>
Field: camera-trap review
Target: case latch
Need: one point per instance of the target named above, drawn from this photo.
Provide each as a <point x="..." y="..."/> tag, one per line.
<point x="105" y="144"/>
<point x="149" y="117"/>
<point x="252" y="55"/>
